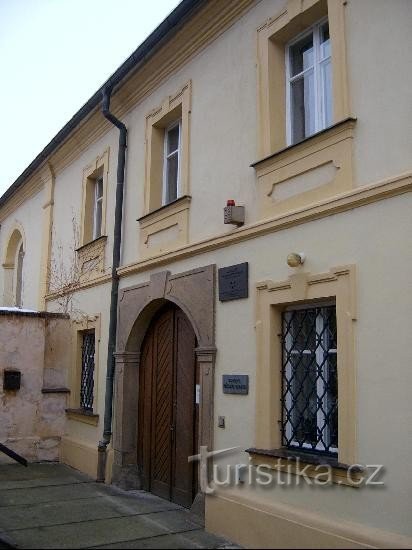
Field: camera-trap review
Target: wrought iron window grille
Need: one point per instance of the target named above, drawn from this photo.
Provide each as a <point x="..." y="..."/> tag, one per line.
<point x="309" y="379"/>
<point x="87" y="376"/>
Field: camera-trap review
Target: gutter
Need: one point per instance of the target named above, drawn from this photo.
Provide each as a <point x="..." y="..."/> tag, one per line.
<point x="117" y="242"/>
<point x="164" y="31"/>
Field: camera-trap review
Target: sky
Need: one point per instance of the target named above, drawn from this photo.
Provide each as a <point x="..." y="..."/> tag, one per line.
<point x="54" y="55"/>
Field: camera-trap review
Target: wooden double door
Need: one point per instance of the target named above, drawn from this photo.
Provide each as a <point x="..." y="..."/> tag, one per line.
<point x="168" y="408"/>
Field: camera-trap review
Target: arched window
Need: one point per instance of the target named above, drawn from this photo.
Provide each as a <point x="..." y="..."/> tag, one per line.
<point x="19" y="276"/>
<point x="13" y="270"/>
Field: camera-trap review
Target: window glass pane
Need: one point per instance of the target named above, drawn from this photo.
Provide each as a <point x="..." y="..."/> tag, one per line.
<point x="301" y="55"/>
<point x="19" y="276"/>
<point x="87" y="376"/>
<point x="303" y="107"/>
<point x="173" y="139"/>
<point x="324" y="41"/>
<point x="326" y="82"/>
<point x="310" y="384"/>
<point x="303" y="329"/>
<point x="171" y="178"/>
<point x="97" y="220"/>
<point x="99" y="188"/>
<point x="304" y="397"/>
<point x="332" y="401"/>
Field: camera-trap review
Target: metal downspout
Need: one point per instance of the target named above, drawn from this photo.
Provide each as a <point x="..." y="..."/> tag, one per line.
<point x="111" y="346"/>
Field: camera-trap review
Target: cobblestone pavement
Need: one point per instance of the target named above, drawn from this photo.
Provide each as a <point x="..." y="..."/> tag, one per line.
<point x="54" y="506"/>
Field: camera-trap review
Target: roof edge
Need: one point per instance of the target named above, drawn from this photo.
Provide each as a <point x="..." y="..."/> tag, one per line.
<point x="167" y="28"/>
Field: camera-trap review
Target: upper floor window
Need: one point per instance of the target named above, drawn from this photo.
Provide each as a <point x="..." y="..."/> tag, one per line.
<point x="309" y="379"/>
<point x="98" y="208"/>
<point x="309" y="83"/>
<point x="95" y="186"/>
<point x="171" y="163"/>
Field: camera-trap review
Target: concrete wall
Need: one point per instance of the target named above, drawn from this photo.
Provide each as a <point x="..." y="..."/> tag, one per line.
<point x="33" y="417"/>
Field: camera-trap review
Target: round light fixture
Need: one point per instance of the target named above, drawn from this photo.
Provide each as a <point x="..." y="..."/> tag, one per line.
<point x="295" y="259"/>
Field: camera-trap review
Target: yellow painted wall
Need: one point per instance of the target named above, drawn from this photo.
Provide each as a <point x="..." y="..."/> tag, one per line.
<point x="222" y="146"/>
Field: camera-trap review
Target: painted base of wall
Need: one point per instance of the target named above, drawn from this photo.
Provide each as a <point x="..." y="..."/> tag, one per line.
<point x="254" y="524"/>
<point x="79" y="455"/>
<point x="84" y="457"/>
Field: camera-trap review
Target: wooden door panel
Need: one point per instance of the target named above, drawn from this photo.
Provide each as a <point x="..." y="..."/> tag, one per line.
<point x="182" y="489"/>
<point x="162" y="407"/>
<point x="167" y="410"/>
<point x="145" y="409"/>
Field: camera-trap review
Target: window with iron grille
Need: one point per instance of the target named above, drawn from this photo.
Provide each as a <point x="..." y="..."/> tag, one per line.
<point x="87" y="376"/>
<point x="309" y="379"/>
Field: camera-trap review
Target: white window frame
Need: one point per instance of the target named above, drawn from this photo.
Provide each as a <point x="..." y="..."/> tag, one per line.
<point x="320" y="385"/>
<point x="166" y="157"/>
<point x="97" y="232"/>
<point x="320" y="115"/>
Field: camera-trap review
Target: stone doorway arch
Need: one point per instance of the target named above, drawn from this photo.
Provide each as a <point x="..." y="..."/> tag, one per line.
<point x="194" y="293"/>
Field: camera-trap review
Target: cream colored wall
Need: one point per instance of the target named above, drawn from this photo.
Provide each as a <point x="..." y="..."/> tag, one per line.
<point x="93" y="301"/>
<point x="379" y="45"/>
<point x="69" y="192"/>
<point x="223" y="144"/>
<point x="28" y="217"/>
<point x="363" y="237"/>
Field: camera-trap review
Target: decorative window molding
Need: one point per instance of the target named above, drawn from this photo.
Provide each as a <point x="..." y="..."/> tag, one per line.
<point x="273" y="37"/>
<point x="77" y="410"/>
<point x="91" y="259"/>
<point x="273" y="298"/>
<point x="94" y="202"/>
<point x="166" y="228"/>
<point x="164" y="224"/>
<point x="318" y="168"/>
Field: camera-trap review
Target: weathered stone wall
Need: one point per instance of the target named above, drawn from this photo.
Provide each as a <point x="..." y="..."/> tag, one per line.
<point x="32" y="419"/>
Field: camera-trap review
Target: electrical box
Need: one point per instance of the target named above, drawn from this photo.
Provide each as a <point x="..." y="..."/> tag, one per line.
<point x="11" y="379"/>
<point x="233" y="214"/>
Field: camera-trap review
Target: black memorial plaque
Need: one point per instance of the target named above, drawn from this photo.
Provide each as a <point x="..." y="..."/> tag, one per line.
<point x="236" y="383"/>
<point x="234" y="282"/>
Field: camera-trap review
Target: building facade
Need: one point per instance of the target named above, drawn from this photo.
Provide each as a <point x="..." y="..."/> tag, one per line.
<point x="296" y="356"/>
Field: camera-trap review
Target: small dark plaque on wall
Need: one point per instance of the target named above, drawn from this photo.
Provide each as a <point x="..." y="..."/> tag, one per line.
<point x="234" y="282"/>
<point x="236" y="383"/>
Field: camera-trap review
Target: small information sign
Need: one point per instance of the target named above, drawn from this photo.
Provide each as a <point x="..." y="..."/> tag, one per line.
<point x="236" y="383"/>
<point x="234" y="282"/>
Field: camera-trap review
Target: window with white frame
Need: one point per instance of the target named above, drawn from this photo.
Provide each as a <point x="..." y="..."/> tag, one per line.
<point x="309" y="379"/>
<point x="171" y="163"/>
<point x="98" y="208"/>
<point x="309" y="83"/>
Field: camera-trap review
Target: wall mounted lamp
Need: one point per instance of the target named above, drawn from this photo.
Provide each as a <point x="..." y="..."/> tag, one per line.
<point x="295" y="259"/>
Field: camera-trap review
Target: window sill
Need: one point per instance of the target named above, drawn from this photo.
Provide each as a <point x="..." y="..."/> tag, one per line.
<point x="165" y="228"/>
<point x="288" y="460"/>
<point x="81" y="415"/>
<point x="315" y="169"/>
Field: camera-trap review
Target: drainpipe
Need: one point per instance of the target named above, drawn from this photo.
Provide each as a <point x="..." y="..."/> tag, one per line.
<point x="111" y="347"/>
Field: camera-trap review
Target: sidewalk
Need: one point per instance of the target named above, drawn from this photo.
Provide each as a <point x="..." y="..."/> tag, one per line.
<point x="54" y="506"/>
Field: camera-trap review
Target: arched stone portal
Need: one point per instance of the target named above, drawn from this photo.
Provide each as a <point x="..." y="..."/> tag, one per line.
<point x="194" y="293"/>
